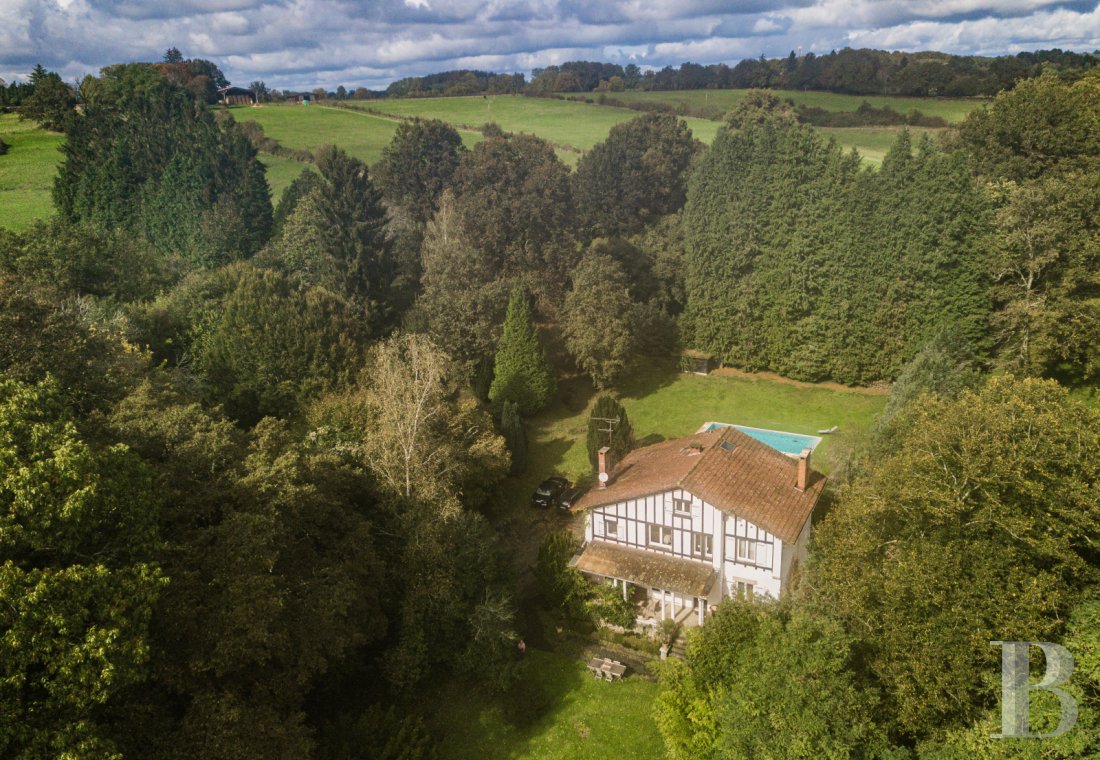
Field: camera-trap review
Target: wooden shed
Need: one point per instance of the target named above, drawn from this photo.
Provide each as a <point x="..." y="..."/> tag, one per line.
<point x="699" y="362"/>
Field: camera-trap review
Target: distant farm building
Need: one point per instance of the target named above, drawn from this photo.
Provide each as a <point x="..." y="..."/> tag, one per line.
<point x="301" y="98"/>
<point x="236" y="96"/>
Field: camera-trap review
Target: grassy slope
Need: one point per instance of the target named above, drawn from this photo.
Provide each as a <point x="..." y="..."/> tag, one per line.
<point x="280" y="173"/>
<point x="568" y="125"/>
<point x="872" y="142"/>
<point x="951" y="109"/>
<point x="26" y="172"/>
<point x="360" y="134"/>
<point x="587" y="718"/>
<point x="582" y="125"/>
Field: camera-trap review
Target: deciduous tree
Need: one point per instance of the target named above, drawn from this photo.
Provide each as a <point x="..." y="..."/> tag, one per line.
<point x="972" y="529"/>
<point x="418" y="165"/>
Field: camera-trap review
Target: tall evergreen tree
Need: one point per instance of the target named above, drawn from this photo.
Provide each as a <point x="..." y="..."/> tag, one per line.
<point x="800" y="262"/>
<point x="145" y="155"/>
<point x="353" y="226"/>
<point x="609" y="413"/>
<point x="521" y="373"/>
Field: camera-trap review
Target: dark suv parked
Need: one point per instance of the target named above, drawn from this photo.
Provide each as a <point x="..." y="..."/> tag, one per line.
<point x="549" y="491"/>
<point x="570" y="497"/>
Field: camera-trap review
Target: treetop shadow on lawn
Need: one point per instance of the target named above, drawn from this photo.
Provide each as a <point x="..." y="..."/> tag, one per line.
<point x="541" y="687"/>
<point x="659" y="373"/>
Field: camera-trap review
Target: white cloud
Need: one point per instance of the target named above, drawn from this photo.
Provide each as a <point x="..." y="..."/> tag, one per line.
<point x="307" y="43"/>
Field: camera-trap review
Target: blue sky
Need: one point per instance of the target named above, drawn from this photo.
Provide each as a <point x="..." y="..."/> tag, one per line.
<point x="308" y="43"/>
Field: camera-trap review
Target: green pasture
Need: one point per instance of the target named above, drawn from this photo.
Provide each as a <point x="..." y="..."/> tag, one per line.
<point x="576" y="127"/>
<point x="873" y="142"/>
<point x="951" y="109"/>
<point x="568" y="125"/>
<point x="361" y="134"/>
<point x="26" y="172"/>
<point x="280" y="173"/>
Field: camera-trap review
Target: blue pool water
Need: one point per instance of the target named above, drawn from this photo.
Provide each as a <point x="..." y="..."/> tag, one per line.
<point x="788" y="443"/>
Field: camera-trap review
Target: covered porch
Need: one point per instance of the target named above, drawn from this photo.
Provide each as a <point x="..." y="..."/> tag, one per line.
<point x="663" y="587"/>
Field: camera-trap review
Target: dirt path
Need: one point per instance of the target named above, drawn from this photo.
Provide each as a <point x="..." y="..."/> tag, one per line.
<point x="882" y="389"/>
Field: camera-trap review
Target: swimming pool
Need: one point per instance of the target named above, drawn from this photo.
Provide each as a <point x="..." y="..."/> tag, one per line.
<point x="788" y="443"/>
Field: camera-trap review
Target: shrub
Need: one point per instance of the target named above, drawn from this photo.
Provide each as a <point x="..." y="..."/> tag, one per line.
<point x="563" y="587"/>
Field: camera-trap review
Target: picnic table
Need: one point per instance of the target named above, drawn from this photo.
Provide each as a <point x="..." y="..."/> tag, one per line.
<point x="606" y="669"/>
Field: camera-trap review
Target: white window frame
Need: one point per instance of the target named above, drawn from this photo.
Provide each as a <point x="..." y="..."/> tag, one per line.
<point x="681" y="506"/>
<point x="664" y="531"/>
<point x="611" y="527"/>
<point x="702" y="545"/>
<point x="744" y="590"/>
<point x="752" y="550"/>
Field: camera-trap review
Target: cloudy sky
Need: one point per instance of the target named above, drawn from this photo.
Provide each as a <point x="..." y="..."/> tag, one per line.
<point x="308" y="43"/>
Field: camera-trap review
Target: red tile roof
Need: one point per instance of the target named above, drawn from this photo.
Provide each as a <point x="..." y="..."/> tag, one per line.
<point x="727" y="469"/>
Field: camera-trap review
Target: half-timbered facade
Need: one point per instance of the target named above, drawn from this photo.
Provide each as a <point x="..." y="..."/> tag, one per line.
<point x="683" y="524"/>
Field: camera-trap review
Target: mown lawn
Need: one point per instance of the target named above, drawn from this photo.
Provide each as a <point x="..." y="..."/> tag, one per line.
<point x="951" y="109"/>
<point x="27" y="172"/>
<point x="663" y="402"/>
<point x="581" y="717"/>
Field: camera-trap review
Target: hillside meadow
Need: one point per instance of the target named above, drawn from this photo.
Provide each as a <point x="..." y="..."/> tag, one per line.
<point x="365" y="128"/>
<point x="26" y="172"/>
<point x="953" y="110"/>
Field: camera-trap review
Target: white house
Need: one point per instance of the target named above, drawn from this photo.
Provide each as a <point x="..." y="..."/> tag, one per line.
<point x="684" y="523"/>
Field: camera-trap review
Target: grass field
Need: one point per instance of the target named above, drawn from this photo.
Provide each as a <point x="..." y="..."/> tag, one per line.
<point x="580" y="126"/>
<point x="360" y="134"/>
<point x="26" y="172"/>
<point x="586" y="718"/>
<point x="665" y="403"/>
<point x="872" y="142"/>
<point x="280" y="173"/>
<point x="576" y="126"/>
<point x="951" y="109"/>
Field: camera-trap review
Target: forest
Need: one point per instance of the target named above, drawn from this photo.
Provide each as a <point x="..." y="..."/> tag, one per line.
<point x="254" y="457"/>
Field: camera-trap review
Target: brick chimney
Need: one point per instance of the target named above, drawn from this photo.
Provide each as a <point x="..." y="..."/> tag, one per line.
<point x="803" y="469"/>
<point x="601" y="457"/>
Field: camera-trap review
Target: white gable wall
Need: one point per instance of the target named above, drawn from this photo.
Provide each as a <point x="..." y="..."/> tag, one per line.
<point x="739" y="550"/>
